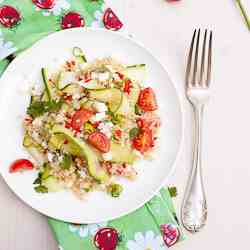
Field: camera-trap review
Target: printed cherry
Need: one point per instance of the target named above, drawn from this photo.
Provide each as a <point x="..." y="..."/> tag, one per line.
<point x="111" y="21"/>
<point x="9" y="16"/>
<point x="106" y="239"/>
<point x="72" y="20"/>
<point x="44" y="4"/>
<point x="170" y="234"/>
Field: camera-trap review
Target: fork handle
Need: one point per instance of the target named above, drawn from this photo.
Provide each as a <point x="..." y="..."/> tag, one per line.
<point x="194" y="206"/>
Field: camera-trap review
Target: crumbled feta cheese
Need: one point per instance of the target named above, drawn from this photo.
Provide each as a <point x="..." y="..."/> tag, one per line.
<point x="138" y="153"/>
<point x="107" y="156"/>
<point x="37" y="122"/>
<point x="35" y="135"/>
<point x="98" y="117"/>
<point x="82" y="173"/>
<point x="82" y="66"/>
<point x="50" y="156"/>
<point x="109" y="125"/>
<point x="103" y="76"/>
<point x="94" y="75"/>
<point x="100" y="106"/>
<point x="76" y="96"/>
<point x="116" y="77"/>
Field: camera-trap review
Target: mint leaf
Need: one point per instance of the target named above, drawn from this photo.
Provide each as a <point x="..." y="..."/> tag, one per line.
<point x="41" y="189"/>
<point x="66" y="162"/>
<point x="133" y="133"/>
<point x="38" y="108"/>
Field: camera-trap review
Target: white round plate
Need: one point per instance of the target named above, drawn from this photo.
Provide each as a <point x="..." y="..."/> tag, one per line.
<point x="97" y="206"/>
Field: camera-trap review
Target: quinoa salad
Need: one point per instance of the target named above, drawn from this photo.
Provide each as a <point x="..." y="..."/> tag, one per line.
<point x="90" y="124"/>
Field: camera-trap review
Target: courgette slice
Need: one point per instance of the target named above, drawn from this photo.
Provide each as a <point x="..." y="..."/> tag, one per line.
<point x="93" y="166"/>
<point x="112" y="96"/>
<point x="71" y="89"/>
<point x="52" y="184"/>
<point x="79" y="55"/>
<point x="47" y="96"/>
<point x="122" y="153"/>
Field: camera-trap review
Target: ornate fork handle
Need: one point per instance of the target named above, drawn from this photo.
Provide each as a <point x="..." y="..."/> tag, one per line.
<point x="194" y="207"/>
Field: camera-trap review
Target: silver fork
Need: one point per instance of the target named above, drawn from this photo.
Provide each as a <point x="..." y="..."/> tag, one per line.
<point x="194" y="205"/>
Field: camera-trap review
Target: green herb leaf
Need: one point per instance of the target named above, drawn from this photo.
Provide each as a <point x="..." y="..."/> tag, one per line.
<point x="138" y="110"/>
<point x="38" y="108"/>
<point x="114" y="189"/>
<point x="66" y="162"/>
<point x="37" y="181"/>
<point x="172" y="191"/>
<point x="88" y="127"/>
<point x="41" y="189"/>
<point x="133" y="133"/>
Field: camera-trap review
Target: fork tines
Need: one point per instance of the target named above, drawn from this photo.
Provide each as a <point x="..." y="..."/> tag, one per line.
<point x="199" y="74"/>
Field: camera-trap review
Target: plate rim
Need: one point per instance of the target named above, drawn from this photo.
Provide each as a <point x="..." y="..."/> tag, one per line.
<point x="173" y="166"/>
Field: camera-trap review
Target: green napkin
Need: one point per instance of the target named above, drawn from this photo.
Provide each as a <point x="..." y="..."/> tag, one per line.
<point x="152" y="227"/>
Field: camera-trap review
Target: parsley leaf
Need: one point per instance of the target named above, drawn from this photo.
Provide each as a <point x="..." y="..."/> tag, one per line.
<point x="133" y="133"/>
<point x="38" y="108"/>
<point x="66" y="162"/>
<point x="138" y="110"/>
<point x="172" y="191"/>
<point x="41" y="189"/>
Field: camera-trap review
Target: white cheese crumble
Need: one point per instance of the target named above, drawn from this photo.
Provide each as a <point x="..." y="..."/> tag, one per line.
<point x="98" y="117"/>
<point x="37" y="122"/>
<point x="137" y="153"/>
<point x="107" y="156"/>
<point x="103" y="76"/>
<point x="82" y="66"/>
<point x="50" y="156"/>
<point x="105" y="128"/>
<point x="100" y="106"/>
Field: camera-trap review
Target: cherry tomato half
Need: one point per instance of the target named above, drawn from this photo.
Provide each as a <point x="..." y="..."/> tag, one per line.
<point x="21" y="165"/>
<point x="144" y="141"/>
<point x="100" y="141"/>
<point x="80" y="117"/>
<point x="147" y="100"/>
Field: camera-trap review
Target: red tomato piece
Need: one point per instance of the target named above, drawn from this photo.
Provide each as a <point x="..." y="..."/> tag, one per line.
<point x="21" y="165"/>
<point x="118" y="134"/>
<point x="106" y="239"/>
<point x="72" y="20"/>
<point x="99" y="141"/>
<point x="144" y="141"/>
<point x="111" y="21"/>
<point x="9" y="16"/>
<point x="80" y="117"/>
<point x="127" y="86"/>
<point x="44" y="4"/>
<point x="147" y="100"/>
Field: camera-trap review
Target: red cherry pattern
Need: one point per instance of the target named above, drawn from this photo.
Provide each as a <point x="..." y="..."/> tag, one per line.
<point x="72" y="20"/>
<point x="111" y="21"/>
<point x="170" y="234"/>
<point x="106" y="239"/>
<point x="44" y="4"/>
<point x="9" y="16"/>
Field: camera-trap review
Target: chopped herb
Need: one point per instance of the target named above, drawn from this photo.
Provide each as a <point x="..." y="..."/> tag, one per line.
<point x="114" y="189"/>
<point x="172" y="191"/>
<point x="38" y="180"/>
<point x="133" y="133"/>
<point x="38" y="108"/>
<point x="46" y="172"/>
<point x="88" y="127"/>
<point x="138" y="110"/>
<point x="41" y="189"/>
<point x="66" y="162"/>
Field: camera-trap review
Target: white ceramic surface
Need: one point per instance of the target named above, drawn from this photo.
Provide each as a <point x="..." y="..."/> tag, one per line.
<point x="98" y="206"/>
